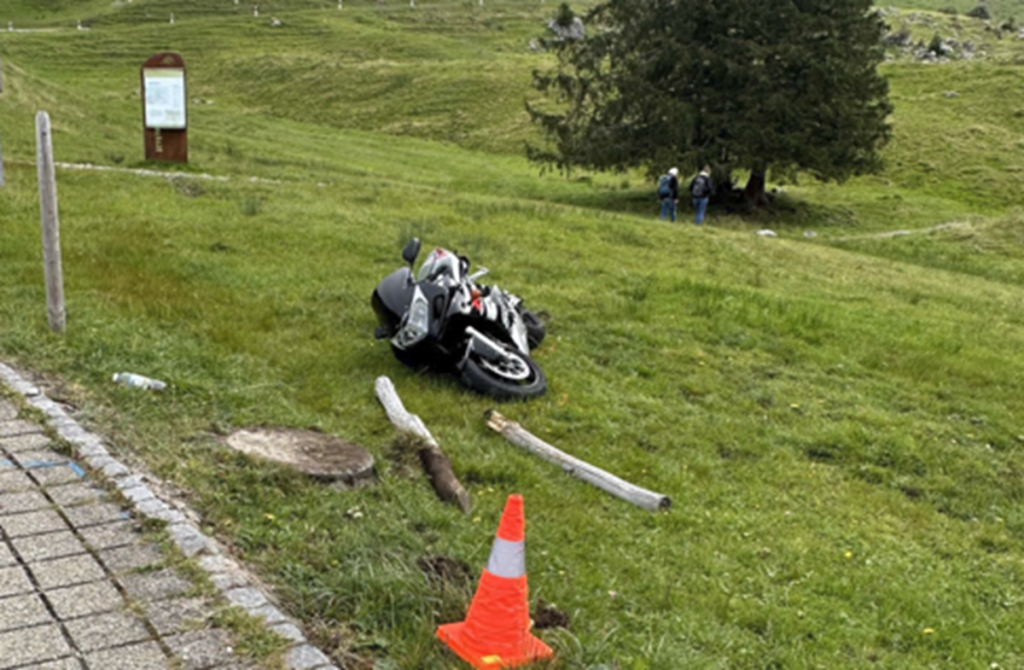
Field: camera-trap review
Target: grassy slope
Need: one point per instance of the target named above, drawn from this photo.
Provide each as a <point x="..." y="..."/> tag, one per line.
<point x="840" y="444"/>
<point x="1000" y="10"/>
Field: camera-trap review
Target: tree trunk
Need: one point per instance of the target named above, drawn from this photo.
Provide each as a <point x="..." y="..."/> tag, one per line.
<point x="754" y="192"/>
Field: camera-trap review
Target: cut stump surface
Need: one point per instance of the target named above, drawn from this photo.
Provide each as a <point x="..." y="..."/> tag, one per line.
<point x="317" y="454"/>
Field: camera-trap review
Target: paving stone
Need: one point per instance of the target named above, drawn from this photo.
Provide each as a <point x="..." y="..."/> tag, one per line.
<point x="21" y="611"/>
<point x="177" y="615"/>
<point x="57" y="475"/>
<point x="247" y="598"/>
<point x="129" y="557"/>
<point x="101" y="631"/>
<point x="304" y="657"/>
<point x="289" y="631"/>
<point x="144" y="656"/>
<point x="150" y="586"/>
<point x="14" y="580"/>
<point x="30" y="442"/>
<point x="154" y="508"/>
<point x="18" y="427"/>
<point x="6" y="557"/>
<point x="218" y="563"/>
<point x="62" y="664"/>
<point x="7" y="411"/>
<point x="36" y="644"/>
<point x="22" y="501"/>
<point x="14" y="480"/>
<point x="38" y="458"/>
<point x="92" y="446"/>
<point x="110" y="535"/>
<point x="48" y="406"/>
<point x="31" y="523"/>
<point x="137" y="493"/>
<point x="188" y="539"/>
<point x="85" y="599"/>
<point x="49" y="545"/>
<point x="97" y="462"/>
<point x="78" y="492"/>
<point x="270" y="614"/>
<point x="68" y="571"/>
<point x="159" y="510"/>
<point x="225" y="581"/>
<point x="96" y="513"/>
<point x="130" y="481"/>
<point x="201" y="649"/>
<point x="115" y="469"/>
<point x="71" y="430"/>
<point x="17" y="383"/>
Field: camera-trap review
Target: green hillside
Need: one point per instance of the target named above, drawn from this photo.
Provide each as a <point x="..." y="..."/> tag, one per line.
<point x="834" y="410"/>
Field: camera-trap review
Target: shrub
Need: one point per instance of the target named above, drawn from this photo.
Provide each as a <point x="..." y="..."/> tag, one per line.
<point x="979" y="12"/>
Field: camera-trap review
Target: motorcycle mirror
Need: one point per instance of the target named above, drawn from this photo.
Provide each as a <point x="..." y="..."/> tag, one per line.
<point x="411" y="251"/>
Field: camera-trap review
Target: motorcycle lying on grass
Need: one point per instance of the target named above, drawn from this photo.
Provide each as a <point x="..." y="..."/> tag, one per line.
<point x="443" y="319"/>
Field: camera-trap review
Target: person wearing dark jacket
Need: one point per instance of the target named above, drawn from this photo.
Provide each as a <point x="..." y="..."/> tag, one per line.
<point x="671" y="199"/>
<point x="701" y="190"/>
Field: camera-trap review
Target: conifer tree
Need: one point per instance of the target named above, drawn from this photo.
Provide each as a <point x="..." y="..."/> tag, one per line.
<point x="786" y="85"/>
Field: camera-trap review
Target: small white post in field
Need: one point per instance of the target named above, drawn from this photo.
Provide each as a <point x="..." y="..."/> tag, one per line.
<point x="255" y="10"/>
<point x="51" y="225"/>
<point x="172" y="18"/>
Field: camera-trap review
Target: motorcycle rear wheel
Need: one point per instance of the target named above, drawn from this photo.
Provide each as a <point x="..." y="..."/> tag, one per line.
<point x="517" y="378"/>
<point x="535" y="328"/>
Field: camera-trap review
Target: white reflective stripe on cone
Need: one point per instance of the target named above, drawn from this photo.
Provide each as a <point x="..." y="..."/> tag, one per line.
<point x="508" y="559"/>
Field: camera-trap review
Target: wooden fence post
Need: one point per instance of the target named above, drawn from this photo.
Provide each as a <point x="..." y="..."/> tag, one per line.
<point x="51" y="225"/>
<point x="1" y="148"/>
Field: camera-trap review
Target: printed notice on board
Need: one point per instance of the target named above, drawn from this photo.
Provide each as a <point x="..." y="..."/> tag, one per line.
<point x="165" y="97"/>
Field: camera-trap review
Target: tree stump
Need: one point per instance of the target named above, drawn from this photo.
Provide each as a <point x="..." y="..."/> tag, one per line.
<point x="319" y="455"/>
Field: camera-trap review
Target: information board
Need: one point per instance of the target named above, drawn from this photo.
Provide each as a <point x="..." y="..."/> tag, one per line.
<point x="165" y="97"/>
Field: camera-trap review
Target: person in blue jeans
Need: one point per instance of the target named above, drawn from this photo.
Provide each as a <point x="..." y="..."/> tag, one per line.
<point x="668" y="192"/>
<point x="701" y="190"/>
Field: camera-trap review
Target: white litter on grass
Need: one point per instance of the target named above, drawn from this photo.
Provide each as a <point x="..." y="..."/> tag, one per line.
<point x="764" y="232"/>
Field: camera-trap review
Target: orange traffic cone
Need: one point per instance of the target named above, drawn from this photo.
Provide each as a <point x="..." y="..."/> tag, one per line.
<point x="496" y="632"/>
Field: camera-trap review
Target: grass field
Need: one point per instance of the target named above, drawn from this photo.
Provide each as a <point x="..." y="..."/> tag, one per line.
<point x="835" y="417"/>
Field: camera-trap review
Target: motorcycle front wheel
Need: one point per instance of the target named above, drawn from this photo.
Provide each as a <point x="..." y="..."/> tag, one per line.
<point x="516" y="377"/>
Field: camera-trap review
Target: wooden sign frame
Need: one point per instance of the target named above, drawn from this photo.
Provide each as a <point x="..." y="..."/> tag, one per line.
<point x="165" y="107"/>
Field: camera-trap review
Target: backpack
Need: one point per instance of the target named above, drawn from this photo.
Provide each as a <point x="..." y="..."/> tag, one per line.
<point x="664" y="189"/>
<point x="699" y="187"/>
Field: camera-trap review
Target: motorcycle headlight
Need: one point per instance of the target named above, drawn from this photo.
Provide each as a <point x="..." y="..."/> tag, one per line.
<point x="417" y="323"/>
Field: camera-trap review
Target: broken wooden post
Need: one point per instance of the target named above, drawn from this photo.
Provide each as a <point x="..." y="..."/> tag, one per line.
<point x="50" y="223"/>
<point x="605" y="481"/>
<point x="437" y="465"/>
<point x="1" y="150"/>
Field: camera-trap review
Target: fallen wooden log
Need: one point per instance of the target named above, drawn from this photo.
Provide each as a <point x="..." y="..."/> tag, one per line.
<point x="605" y="481"/>
<point x="436" y="464"/>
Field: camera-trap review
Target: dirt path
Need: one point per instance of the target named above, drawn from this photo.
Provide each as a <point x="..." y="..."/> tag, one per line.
<point x="900" y="233"/>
